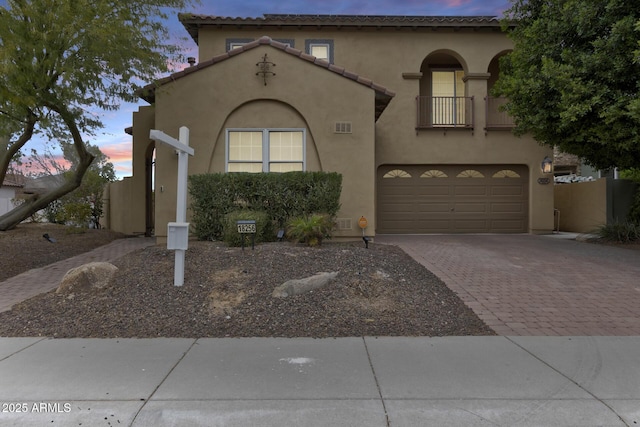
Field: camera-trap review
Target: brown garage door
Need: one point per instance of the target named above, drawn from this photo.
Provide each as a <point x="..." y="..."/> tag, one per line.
<point x="452" y="199"/>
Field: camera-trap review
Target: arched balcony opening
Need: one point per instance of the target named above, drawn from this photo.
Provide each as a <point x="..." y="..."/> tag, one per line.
<point x="442" y="102"/>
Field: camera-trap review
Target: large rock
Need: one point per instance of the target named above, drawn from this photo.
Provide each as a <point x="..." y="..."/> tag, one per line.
<point x="301" y="286"/>
<point x="88" y="276"/>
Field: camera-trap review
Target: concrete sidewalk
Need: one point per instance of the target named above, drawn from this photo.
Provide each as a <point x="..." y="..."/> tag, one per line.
<point x="401" y="381"/>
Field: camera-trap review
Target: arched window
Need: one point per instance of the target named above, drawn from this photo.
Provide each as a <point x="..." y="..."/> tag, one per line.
<point x="470" y="173"/>
<point x="397" y="173"/>
<point x="506" y="173"/>
<point x="434" y="173"/>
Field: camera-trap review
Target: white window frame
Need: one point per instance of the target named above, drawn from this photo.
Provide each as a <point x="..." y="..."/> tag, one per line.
<point x="328" y="43"/>
<point x="266" y="161"/>
<point x="236" y="43"/>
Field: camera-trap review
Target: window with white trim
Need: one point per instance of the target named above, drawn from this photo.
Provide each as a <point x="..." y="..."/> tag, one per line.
<point x="236" y="43"/>
<point x="320" y="48"/>
<point x="266" y="150"/>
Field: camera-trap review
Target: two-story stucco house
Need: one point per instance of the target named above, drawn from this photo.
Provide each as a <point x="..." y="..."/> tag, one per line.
<point x="399" y="105"/>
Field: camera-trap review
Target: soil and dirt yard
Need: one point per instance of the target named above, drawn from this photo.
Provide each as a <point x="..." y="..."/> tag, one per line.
<point x="379" y="291"/>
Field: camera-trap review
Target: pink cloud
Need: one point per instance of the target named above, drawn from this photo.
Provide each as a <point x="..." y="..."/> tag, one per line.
<point x="118" y="152"/>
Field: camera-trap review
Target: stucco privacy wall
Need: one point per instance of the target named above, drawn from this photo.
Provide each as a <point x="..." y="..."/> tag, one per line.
<point x="126" y="200"/>
<point x="582" y="205"/>
<point x="228" y="94"/>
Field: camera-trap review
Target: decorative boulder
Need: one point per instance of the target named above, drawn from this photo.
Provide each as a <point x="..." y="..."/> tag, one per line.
<point x="301" y="286"/>
<point x="88" y="276"/>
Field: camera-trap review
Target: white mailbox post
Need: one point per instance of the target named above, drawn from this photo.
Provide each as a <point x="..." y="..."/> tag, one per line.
<point x="178" y="232"/>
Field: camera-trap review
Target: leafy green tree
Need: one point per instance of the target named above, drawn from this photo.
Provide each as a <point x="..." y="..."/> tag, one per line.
<point x="573" y="78"/>
<point x="61" y="59"/>
<point x="83" y="205"/>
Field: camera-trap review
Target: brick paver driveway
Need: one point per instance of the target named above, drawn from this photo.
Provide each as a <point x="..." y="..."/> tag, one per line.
<point x="535" y="285"/>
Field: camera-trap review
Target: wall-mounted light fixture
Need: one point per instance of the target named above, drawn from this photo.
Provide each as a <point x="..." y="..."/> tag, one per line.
<point x="546" y="165"/>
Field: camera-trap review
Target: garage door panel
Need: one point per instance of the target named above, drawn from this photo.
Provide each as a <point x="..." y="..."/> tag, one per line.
<point x="495" y="199"/>
<point x="433" y="190"/>
<point x="507" y="190"/>
<point x="434" y="207"/>
<point x="507" y="226"/>
<point x="470" y="208"/>
<point x="470" y="190"/>
<point x="437" y="226"/>
<point x="471" y="225"/>
<point x="507" y="208"/>
<point x="399" y="191"/>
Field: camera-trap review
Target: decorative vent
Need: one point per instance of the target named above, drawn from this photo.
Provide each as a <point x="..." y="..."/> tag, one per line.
<point x="343" y="127"/>
<point x="344" y="224"/>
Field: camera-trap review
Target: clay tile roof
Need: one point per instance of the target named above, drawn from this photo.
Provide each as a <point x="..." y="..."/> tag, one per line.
<point x="383" y="95"/>
<point x="192" y="22"/>
<point x="13" y="180"/>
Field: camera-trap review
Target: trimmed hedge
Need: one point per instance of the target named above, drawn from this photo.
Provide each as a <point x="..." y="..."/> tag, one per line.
<point x="280" y="195"/>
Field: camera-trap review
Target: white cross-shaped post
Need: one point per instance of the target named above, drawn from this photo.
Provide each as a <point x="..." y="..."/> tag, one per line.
<point x="178" y="232"/>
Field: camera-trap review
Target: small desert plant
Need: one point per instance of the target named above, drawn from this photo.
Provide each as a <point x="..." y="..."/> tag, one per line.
<point x="311" y="229"/>
<point x="623" y="232"/>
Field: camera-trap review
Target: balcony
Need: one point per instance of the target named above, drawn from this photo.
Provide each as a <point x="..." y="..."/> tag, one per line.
<point x="496" y="118"/>
<point x="448" y="112"/>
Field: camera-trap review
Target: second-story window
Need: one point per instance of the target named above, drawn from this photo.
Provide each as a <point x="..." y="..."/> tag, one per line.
<point x="236" y="43"/>
<point x="320" y="48"/>
<point x="448" y="102"/>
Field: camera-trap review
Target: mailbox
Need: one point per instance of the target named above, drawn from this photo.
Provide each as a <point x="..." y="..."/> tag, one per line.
<point x="178" y="235"/>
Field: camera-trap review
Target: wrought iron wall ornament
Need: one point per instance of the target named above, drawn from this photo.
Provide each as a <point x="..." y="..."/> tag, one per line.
<point x="265" y="68"/>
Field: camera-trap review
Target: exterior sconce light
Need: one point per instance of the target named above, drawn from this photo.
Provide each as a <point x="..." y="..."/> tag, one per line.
<point x="546" y="165"/>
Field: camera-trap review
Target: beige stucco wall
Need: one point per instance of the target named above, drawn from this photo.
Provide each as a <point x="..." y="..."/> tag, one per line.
<point x="119" y="207"/>
<point x="394" y="59"/>
<point x="301" y="94"/>
<point x="230" y="95"/>
<point x="582" y="206"/>
<point x="125" y="206"/>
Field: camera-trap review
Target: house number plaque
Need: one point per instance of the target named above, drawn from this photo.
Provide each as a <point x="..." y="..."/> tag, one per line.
<point x="246" y="227"/>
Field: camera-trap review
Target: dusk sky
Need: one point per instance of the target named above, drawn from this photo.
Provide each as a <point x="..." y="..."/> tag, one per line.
<point x="116" y="144"/>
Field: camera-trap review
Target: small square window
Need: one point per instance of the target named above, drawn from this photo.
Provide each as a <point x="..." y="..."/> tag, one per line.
<point x="320" y="48"/>
<point x="288" y="42"/>
<point x="236" y="43"/>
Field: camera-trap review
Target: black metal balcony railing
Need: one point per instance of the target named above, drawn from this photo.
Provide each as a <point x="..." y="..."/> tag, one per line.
<point x="496" y="118"/>
<point x="445" y="112"/>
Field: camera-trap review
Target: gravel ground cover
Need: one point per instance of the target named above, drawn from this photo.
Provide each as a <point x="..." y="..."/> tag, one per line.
<point x="24" y="247"/>
<point x="379" y="291"/>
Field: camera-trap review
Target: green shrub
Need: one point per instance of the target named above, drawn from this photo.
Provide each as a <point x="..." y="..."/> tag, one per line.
<point x="280" y="195"/>
<point x="76" y="213"/>
<point x="310" y="229"/>
<point x="264" y="227"/>
<point x="634" y="211"/>
<point x="623" y="232"/>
